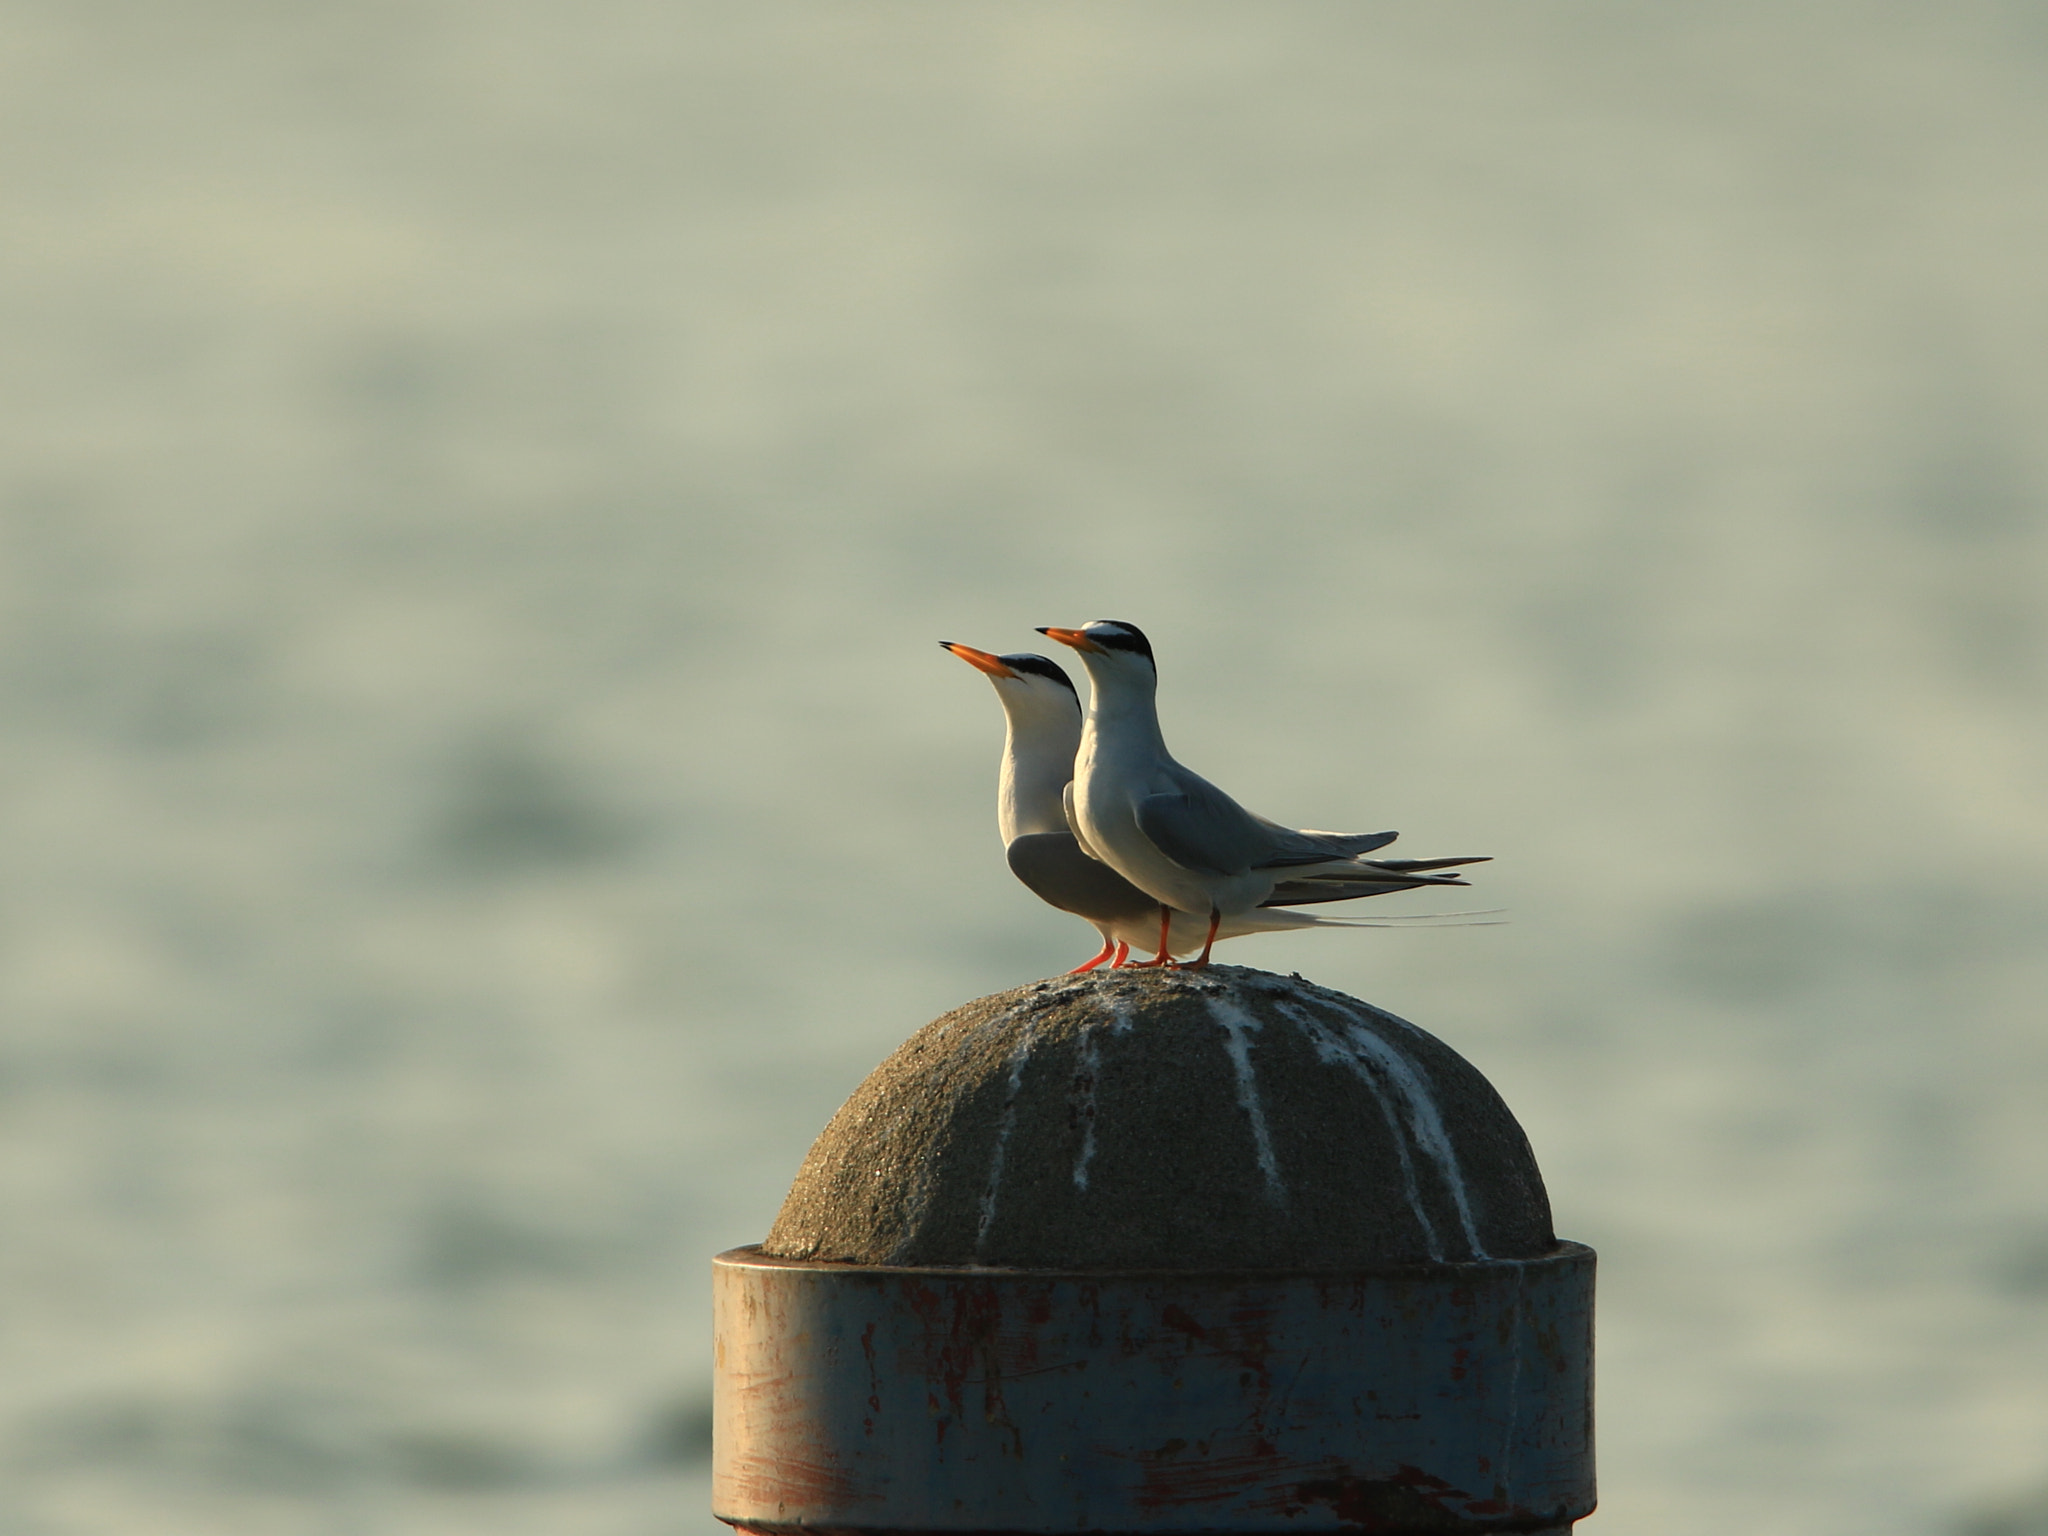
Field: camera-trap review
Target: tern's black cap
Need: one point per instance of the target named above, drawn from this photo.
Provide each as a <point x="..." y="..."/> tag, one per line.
<point x="1016" y="661"/>
<point x="1042" y="666"/>
<point x="1116" y="635"/>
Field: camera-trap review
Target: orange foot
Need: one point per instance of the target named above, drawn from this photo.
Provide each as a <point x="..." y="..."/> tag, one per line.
<point x="1165" y="928"/>
<point x="1109" y="948"/>
<point x="1201" y="961"/>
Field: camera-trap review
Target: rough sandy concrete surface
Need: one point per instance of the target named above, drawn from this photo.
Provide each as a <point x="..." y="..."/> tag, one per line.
<point x="1221" y="1119"/>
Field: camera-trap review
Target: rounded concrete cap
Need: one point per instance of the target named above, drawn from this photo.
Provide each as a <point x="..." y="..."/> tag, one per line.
<point x="1222" y="1119"/>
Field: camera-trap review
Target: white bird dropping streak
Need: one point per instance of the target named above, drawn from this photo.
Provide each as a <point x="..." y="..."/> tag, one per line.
<point x="1424" y="1118"/>
<point x="1084" y="1089"/>
<point x="1019" y="1054"/>
<point x="1329" y="1048"/>
<point x="1084" y="1107"/>
<point x="1239" y="1026"/>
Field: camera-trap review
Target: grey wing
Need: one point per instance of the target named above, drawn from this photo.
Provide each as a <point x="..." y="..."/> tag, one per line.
<point x="1060" y="874"/>
<point x="1202" y="829"/>
<point x="1340" y="844"/>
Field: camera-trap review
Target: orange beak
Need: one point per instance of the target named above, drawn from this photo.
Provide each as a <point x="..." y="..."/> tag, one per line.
<point x="1077" y="638"/>
<point x="992" y="665"/>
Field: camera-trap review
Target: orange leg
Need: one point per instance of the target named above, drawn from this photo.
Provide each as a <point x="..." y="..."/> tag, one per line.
<point x="1123" y="953"/>
<point x="1165" y="929"/>
<point x="1108" y="948"/>
<point x="1215" y="922"/>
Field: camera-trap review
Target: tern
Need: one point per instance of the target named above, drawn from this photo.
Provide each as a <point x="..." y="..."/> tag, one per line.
<point x="1180" y="839"/>
<point x="1043" y="713"/>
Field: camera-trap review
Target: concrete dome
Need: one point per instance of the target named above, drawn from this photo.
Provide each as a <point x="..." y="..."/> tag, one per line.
<point x="1219" y="1119"/>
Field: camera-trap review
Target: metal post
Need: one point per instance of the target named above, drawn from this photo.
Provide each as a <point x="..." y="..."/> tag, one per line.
<point x="1195" y="1252"/>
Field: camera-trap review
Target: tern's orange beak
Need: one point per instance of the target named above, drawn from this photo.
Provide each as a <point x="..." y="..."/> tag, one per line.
<point x="1077" y="638"/>
<point x="994" y="666"/>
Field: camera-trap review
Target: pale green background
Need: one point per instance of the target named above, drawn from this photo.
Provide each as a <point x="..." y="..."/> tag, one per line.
<point x="482" y="484"/>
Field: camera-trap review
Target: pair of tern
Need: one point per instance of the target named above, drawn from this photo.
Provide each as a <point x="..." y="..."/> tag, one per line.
<point x="1099" y="820"/>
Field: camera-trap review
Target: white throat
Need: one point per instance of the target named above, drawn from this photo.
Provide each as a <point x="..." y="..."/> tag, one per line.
<point x="1123" y="705"/>
<point x="1038" y="760"/>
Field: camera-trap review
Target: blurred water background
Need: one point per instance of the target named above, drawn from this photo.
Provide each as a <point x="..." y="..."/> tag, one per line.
<point x="482" y="483"/>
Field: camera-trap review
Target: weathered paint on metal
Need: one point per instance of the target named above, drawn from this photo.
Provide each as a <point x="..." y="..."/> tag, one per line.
<point x="1451" y="1397"/>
